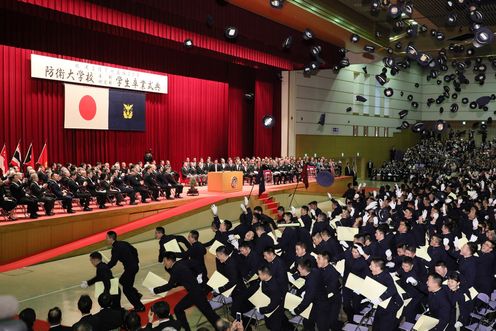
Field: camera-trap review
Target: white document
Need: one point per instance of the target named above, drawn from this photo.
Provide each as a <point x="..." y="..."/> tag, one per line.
<point x="152" y="281"/>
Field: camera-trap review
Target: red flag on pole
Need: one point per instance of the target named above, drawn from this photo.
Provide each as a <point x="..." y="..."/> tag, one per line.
<point x="16" y="158"/>
<point x="304" y="175"/>
<point x="4" y="163"/>
<point x="43" y="159"/>
<point x="29" y="160"/>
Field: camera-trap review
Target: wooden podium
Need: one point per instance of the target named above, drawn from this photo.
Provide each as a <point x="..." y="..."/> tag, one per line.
<point x="227" y="181"/>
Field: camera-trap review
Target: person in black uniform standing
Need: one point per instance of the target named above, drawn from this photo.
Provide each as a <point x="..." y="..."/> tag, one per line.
<point x="438" y="301"/>
<point x="104" y="275"/>
<point x="181" y="275"/>
<point x="330" y="278"/>
<point x="128" y="255"/>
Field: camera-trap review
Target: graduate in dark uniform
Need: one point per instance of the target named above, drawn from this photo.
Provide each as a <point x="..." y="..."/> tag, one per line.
<point x="438" y="301"/>
<point x="128" y="255"/>
<point x="181" y="275"/>
<point x="104" y="275"/>
<point x="486" y="268"/>
<point x="196" y="254"/>
<point x="331" y="279"/>
<point x="277" y="267"/>
<point x="411" y="280"/>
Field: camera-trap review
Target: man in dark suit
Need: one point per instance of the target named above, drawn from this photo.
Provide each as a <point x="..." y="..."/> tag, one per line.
<point x="135" y="182"/>
<point x="438" y="301"/>
<point x="331" y="279"/>
<point x="109" y="317"/>
<point x="181" y="275"/>
<point x="151" y="182"/>
<point x="78" y="191"/>
<point x="41" y="193"/>
<point x="19" y="193"/>
<point x="55" y="320"/>
<point x="60" y="194"/>
<point x="370" y="169"/>
<point x="196" y="254"/>
<point x="104" y="275"/>
<point x="162" y="310"/>
<point x="128" y="255"/>
<point x="84" y="306"/>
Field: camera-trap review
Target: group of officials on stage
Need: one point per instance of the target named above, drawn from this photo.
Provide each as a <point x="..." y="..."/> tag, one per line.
<point x="448" y="222"/>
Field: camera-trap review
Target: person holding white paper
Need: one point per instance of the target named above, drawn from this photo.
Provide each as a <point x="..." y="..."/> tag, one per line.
<point x="104" y="275"/>
<point x="438" y="301"/>
<point x="411" y="280"/>
<point x="278" y="268"/>
<point x="249" y="261"/>
<point x="263" y="240"/>
<point x="331" y="279"/>
<point x="196" y="254"/>
<point x="181" y="275"/>
<point x="460" y="299"/>
<point x="467" y="264"/>
<point x="385" y="319"/>
<point x="301" y="255"/>
<point x="164" y="239"/>
<point x="313" y="292"/>
<point x="276" y="321"/>
<point x="354" y="262"/>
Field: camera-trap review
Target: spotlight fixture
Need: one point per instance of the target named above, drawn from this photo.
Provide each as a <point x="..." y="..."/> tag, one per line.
<point x="375" y="7"/>
<point x="424" y="59"/>
<point x="483" y="36"/>
<point x="315" y="50"/>
<point x="276" y="3"/>
<point x="470" y="51"/>
<point x="345" y="62"/>
<point x="408" y="9"/>
<point x="369" y="48"/>
<point x="249" y="96"/>
<point x="268" y="121"/>
<point x="411" y="52"/>
<point x="475" y="16"/>
<point x="231" y="32"/>
<point x="439" y="36"/>
<point x="314" y="65"/>
<point x="440" y="126"/>
<point x="188" y="43"/>
<point x="388" y="62"/>
<point x="451" y="19"/>
<point x="308" y="34"/>
<point x="355" y="38"/>
<point x="411" y="31"/>
<point x="287" y="42"/>
<point x="394" y="11"/>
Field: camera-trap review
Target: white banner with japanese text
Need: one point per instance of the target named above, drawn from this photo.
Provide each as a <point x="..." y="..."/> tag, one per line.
<point x="68" y="71"/>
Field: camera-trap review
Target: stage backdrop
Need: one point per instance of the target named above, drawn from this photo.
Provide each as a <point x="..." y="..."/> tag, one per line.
<point x="197" y="118"/>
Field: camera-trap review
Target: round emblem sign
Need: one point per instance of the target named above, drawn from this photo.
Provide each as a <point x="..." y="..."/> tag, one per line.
<point x="234" y="182"/>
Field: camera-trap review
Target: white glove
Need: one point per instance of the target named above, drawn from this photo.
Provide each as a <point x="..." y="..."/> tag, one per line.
<point x="390" y="265"/>
<point x="303" y="294"/>
<point x="352" y="212"/>
<point x="411" y="280"/>
<point x="443" y="210"/>
<point x="424" y="214"/>
<point x="360" y="250"/>
<point x="329" y="195"/>
<point x="416" y="204"/>
<point x="356" y="196"/>
<point x="291" y="278"/>
<point x="199" y="279"/>
<point x="215" y="291"/>
<point x="445" y="241"/>
<point x="293" y="210"/>
<point x="399" y="193"/>
<point x="344" y="244"/>
<point x="376" y="220"/>
<point x="389" y="254"/>
<point x="409" y="197"/>
<point x="458" y="325"/>
<point x="459" y="201"/>
<point x="372" y="205"/>
<point x="473" y="238"/>
<point x="243" y="208"/>
<point x="456" y="243"/>
<point x="365" y="218"/>
<point x="150" y="289"/>
<point x="312" y="211"/>
<point x="214" y="209"/>
<point x="435" y="216"/>
<point x="475" y="224"/>
<point x="359" y="187"/>
<point x="375" y="302"/>
<point x="84" y="284"/>
<point x="392" y="204"/>
<point x="246" y="202"/>
<point x="364" y="185"/>
<point x="443" y="187"/>
<point x="374" y="193"/>
<point x="292" y="312"/>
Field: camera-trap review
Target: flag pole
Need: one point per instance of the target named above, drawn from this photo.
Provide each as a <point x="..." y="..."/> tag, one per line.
<point x="293" y="195"/>
<point x="252" y="186"/>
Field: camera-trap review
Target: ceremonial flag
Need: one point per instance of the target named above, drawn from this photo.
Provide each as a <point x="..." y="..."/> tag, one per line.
<point x="304" y="175"/>
<point x="16" y="158"/>
<point x="43" y="158"/>
<point x="103" y="108"/>
<point x="29" y="160"/>
<point x="126" y="110"/>
<point x="4" y="164"/>
<point x="86" y="107"/>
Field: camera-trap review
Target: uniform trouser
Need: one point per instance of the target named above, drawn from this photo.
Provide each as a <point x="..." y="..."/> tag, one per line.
<point x="66" y="202"/>
<point x="179" y="189"/>
<point x="200" y="301"/>
<point x="335" y="303"/>
<point x="32" y="204"/>
<point x="48" y="203"/>
<point x="278" y="320"/>
<point x="385" y="319"/>
<point x="131" y="193"/>
<point x="167" y="190"/>
<point x="8" y="205"/>
<point x="127" y="282"/>
<point x="351" y="303"/>
<point x="319" y="317"/>
<point x="84" y="198"/>
<point x="411" y="310"/>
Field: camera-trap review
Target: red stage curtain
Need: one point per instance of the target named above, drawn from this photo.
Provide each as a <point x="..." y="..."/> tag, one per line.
<point x="189" y="121"/>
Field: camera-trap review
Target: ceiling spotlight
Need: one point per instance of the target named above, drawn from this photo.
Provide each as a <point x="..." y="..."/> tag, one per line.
<point x="388" y="62"/>
<point x="268" y="121"/>
<point x="398" y="45"/>
<point x="411" y="52"/>
<point x="470" y="51"/>
<point x="308" y="34"/>
<point x="440" y="126"/>
<point x="315" y="50"/>
<point x="389" y="50"/>
<point x="411" y="31"/>
<point x="439" y="36"/>
<point x="188" y="43"/>
<point x="450" y="3"/>
<point x="355" y="38"/>
<point x="475" y="16"/>
<point x="231" y="32"/>
<point x="451" y="19"/>
<point x="276" y="3"/>
<point x="249" y="96"/>
<point x="388" y="92"/>
<point x="394" y="11"/>
<point x="408" y="9"/>
<point x="483" y="36"/>
<point x="375" y="6"/>
<point x="287" y="42"/>
<point x="423" y="28"/>
<point x="386" y="3"/>
<point x="345" y="62"/>
<point x="314" y="66"/>
<point x="381" y="78"/>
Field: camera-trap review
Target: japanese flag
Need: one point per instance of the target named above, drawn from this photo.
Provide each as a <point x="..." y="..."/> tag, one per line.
<point x="86" y="107"/>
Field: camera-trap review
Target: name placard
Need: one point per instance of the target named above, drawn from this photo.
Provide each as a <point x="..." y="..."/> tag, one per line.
<point x="52" y="68"/>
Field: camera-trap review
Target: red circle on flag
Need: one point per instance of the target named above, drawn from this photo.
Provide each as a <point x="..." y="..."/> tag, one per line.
<point x="87" y="107"/>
